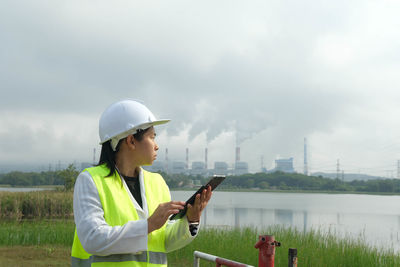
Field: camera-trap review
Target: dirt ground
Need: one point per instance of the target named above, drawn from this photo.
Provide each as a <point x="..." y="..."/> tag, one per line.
<point x="21" y="256"/>
<point x="48" y="256"/>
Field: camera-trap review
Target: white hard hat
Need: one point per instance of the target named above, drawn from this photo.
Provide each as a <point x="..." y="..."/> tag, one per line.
<point x="124" y="118"/>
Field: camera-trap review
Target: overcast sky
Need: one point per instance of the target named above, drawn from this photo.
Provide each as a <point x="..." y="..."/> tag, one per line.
<point x="260" y="74"/>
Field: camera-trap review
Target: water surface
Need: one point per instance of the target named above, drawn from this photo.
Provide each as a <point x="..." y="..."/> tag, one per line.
<point x="374" y="218"/>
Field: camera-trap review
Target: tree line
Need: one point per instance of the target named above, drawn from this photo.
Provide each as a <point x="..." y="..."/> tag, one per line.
<point x="64" y="178"/>
<point x="290" y="181"/>
<point x="257" y="181"/>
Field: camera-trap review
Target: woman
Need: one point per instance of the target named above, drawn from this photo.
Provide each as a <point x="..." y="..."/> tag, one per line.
<point x="121" y="210"/>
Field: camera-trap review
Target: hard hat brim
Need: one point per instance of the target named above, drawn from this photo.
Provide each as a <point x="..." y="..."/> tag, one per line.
<point x="133" y="130"/>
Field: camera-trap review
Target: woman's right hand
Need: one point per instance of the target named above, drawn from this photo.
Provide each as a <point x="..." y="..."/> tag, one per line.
<point x="162" y="213"/>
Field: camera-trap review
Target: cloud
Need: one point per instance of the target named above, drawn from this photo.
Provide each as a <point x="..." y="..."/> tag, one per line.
<point x="262" y="75"/>
<point x="46" y="138"/>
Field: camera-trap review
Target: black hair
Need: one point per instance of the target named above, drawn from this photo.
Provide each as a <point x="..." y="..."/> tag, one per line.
<point x="107" y="155"/>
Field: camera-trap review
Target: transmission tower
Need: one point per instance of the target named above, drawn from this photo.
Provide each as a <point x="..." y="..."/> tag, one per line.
<point x="305" y="157"/>
<point x="337" y="169"/>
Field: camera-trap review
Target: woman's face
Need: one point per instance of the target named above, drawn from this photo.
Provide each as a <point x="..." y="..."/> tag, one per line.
<point x="147" y="148"/>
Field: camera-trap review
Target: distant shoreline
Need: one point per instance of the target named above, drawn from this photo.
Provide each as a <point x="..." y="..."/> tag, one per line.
<point x="26" y="189"/>
<point x="294" y="191"/>
<point x="34" y="186"/>
<point x="55" y="187"/>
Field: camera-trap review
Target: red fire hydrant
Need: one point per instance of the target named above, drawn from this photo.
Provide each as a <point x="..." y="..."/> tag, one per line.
<point x="266" y="245"/>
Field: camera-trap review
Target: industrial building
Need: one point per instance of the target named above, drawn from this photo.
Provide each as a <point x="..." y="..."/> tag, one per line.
<point x="198" y="168"/>
<point x="178" y="167"/>
<point x="220" y="167"/>
<point x="157" y="166"/>
<point x="283" y="165"/>
<point x="241" y="167"/>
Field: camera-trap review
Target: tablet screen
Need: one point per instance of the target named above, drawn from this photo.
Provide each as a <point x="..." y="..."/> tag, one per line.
<point x="214" y="182"/>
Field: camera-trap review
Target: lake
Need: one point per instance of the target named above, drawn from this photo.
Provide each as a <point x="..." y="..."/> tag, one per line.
<point x="372" y="217"/>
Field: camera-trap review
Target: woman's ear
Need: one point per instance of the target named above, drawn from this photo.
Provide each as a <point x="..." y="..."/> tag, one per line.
<point x="130" y="140"/>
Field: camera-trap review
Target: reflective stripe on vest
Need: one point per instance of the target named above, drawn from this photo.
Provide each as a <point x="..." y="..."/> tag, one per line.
<point x="154" y="258"/>
<point x="118" y="211"/>
<point x="76" y="262"/>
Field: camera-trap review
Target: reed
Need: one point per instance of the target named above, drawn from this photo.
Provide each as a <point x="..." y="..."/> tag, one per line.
<point x="39" y="233"/>
<point x="315" y="248"/>
<point x="36" y="205"/>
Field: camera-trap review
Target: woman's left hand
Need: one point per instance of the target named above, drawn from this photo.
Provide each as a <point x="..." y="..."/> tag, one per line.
<point x="194" y="211"/>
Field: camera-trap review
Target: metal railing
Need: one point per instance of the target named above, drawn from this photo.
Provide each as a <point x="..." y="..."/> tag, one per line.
<point x="266" y="256"/>
<point x="219" y="261"/>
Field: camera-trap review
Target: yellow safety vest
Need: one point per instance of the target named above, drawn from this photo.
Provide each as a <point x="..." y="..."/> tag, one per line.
<point x="118" y="210"/>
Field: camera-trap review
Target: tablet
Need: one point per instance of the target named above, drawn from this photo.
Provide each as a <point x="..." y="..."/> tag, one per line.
<point x="214" y="182"/>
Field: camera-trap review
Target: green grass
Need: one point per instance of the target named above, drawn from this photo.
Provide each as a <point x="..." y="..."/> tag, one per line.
<point x="26" y="233"/>
<point x="315" y="248"/>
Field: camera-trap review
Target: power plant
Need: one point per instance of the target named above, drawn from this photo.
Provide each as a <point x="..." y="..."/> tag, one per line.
<point x="220" y="167"/>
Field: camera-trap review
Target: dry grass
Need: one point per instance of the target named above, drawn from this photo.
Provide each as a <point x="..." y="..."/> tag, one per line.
<point x="32" y="256"/>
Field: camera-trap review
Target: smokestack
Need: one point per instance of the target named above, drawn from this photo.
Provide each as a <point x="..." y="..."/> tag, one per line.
<point x="205" y="159"/>
<point x="237" y="154"/>
<point x="305" y="157"/>
<point x="187" y="158"/>
<point x="166" y="160"/>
